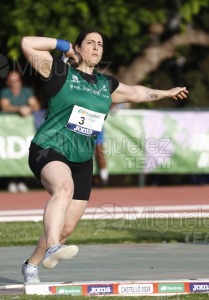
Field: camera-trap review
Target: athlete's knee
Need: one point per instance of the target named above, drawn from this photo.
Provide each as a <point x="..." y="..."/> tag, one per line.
<point x="65" y="190"/>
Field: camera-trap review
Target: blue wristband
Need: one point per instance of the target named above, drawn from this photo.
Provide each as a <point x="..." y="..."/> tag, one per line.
<point x="62" y="45"/>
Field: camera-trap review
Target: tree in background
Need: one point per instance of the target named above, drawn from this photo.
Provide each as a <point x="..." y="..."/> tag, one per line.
<point x="158" y="43"/>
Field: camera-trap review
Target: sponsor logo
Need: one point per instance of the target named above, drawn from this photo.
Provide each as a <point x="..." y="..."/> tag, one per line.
<point x="104" y="88"/>
<point x="105" y="96"/>
<point x="199" y="287"/>
<point x="171" y="288"/>
<point x="75" y="79"/>
<point x="90" y="90"/>
<point x="131" y="289"/>
<point x="99" y="289"/>
<point x="69" y="290"/>
<point x="83" y="130"/>
<point x="86" y="113"/>
<point x="75" y="84"/>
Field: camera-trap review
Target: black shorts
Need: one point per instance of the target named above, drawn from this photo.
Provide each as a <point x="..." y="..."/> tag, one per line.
<point x="81" y="172"/>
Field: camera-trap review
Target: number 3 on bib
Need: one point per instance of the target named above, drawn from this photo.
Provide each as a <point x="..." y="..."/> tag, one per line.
<point x="84" y="121"/>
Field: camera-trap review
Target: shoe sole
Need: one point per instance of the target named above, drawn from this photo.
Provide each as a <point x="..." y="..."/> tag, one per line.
<point x="63" y="253"/>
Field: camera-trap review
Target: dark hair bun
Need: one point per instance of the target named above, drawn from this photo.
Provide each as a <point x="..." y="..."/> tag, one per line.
<point x="73" y="63"/>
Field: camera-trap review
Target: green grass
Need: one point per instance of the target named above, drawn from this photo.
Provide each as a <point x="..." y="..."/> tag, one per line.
<point x="113" y="231"/>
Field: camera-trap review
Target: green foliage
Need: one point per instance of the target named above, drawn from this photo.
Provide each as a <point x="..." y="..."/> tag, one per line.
<point x="128" y="27"/>
<point x="125" y="23"/>
<point x="191" y="8"/>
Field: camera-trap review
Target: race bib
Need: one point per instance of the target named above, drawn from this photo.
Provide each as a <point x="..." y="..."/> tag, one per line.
<point x="85" y="121"/>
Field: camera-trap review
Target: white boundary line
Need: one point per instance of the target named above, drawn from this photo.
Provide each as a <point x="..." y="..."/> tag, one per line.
<point x="113" y="211"/>
<point x="12" y="286"/>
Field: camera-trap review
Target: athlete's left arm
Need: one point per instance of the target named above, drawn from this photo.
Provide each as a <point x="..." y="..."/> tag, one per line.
<point x="138" y="93"/>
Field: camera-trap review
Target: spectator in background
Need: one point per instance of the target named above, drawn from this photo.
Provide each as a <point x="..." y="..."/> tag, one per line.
<point x="99" y="151"/>
<point x="15" y="98"/>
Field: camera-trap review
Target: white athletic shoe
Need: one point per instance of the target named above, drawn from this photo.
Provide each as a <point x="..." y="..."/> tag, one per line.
<point x="22" y="187"/>
<point x="58" y="252"/>
<point x="12" y="187"/>
<point x="30" y="273"/>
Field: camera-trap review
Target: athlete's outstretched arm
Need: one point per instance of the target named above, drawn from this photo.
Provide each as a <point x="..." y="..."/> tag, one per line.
<point x="138" y="93"/>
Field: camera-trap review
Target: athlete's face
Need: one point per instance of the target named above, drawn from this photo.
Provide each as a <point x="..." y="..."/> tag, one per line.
<point x="91" y="49"/>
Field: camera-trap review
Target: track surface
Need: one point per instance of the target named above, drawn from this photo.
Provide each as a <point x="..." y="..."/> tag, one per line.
<point x="115" y="262"/>
<point x="115" y="202"/>
<point x="154" y="196"/>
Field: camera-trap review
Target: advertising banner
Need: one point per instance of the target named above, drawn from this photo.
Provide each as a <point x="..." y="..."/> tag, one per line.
<point x="15" y="135"/>
<point x="135" y="142"/>
<point x="149" y="141"/>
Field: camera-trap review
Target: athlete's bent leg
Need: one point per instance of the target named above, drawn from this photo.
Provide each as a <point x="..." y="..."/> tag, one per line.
<point x="74" y="213"/>
<point x="57" y="180"/>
